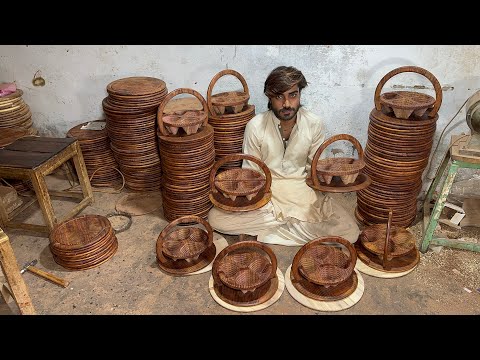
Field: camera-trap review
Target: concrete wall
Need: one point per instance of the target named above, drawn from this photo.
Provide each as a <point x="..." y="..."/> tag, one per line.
<point x="342" y="78"/>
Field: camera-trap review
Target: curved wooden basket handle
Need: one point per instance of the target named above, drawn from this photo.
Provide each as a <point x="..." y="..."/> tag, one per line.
<point x="214" y="81"/>
<point x="316" y="157"/>
<point x="188" y="219"/>
<point x="418" y="70"/>
<point x="303" y="249"/>
<point x="237" y="246"/>
<point x="171" y="95"/>
<point x="235" y="157"/>
<point x="387" y="239"/>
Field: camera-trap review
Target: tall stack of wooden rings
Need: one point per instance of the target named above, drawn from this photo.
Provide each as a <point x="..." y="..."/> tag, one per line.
<point x="15" y="113"/>
<point x="83" y="242"/>
<point x="131" y="110"/>
<point x="245" y="275"/>
<point x="229" y="113"/>
<point x="240" y="189"/>
<point x="323" y="270"/>
<point x="400" y="138"/>
<point x="386" y="250"/>
<point x="99" y="160"/>
<point x="338" y="175"/>
<point x="186" y="249"/>
<point x="185" y="141"/>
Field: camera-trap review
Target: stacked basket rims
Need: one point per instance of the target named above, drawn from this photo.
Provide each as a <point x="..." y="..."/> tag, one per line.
<point x="83" y="242"/>
<point x="131" y="110"/>
<point x="15" y="113"/>
<point x="229" y="113"/>
<point x="99" y="160"/>
<point x="185" y="141"/>
<point x="400" y="137"/>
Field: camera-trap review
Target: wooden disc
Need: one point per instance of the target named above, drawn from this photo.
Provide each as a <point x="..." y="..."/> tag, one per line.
<point x="136" y="85"/>
<point x="365" y="269"/>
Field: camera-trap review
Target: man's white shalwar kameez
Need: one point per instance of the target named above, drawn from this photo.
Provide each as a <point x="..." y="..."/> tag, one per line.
<point x="296" y="213"/>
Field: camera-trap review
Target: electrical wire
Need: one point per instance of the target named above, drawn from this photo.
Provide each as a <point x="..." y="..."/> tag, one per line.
<point x="440" y="139"/>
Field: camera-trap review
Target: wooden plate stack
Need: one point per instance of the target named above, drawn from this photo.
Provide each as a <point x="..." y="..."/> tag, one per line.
<point x="186" y="164"/>
<point x="229" y="113"/>
<point x="396" y="154"/>
<point x="83" y="242"/>
<point x="131" y="110"/>
<point x="97" y="155"/>
<point x="15" y="113"/>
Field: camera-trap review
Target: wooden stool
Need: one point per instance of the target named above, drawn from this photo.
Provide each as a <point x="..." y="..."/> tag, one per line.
<point x="11" y="271"/>
<point x="430" y="221"/>
<point x="33" y="158"/>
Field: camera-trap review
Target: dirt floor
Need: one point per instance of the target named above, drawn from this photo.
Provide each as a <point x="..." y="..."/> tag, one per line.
<point x="446" y="281"/>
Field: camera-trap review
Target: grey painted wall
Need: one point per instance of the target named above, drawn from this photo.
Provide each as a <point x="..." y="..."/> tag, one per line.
<point x="342" y="78"/>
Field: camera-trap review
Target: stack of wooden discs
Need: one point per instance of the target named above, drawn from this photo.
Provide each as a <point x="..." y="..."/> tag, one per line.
<point x="83" y="242"/>
<point x="97" y="154"/>
<point x="131" y="109"/>
<point x="186" y="164"/>
<point x="15" y="113"/>
<point x="397" y="153"/>
<point x="229" y="113"/>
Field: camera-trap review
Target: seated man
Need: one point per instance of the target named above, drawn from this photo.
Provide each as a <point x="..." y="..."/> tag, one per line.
<point x="285" y="138"/>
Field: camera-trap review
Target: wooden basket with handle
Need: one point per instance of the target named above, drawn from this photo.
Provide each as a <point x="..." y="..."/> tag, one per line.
<point x="405" y="103"/>
<point x="323" y="170"/>
<point x="190" y="121"/>
<point x="239" y="188"/>
<point x="325" y="265"/>
<point x="185" y="243"/>
<point x="230" y="102"/>
<point x="387" y="241"/>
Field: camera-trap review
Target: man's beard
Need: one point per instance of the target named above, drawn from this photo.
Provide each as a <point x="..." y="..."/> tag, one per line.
<point x="286" y="113"/>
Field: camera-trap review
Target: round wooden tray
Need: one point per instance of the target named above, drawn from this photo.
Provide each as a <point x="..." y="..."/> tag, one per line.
<point x="136" y="86"/>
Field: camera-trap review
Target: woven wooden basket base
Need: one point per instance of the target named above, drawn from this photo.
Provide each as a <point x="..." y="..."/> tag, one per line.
<point x="182" y="267"/>
<point x="322" y="293"/>
<point x="256" y="297"/>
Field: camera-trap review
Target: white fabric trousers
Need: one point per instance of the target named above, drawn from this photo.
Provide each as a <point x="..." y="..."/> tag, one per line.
<point x="290" y="232"/>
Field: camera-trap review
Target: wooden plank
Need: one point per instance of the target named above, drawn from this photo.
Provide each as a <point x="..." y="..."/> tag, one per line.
<point x="14" y="278"/>
<point x="24" y="160"/>
<point x="44" y="201"/>
<point x="32" y="227"/>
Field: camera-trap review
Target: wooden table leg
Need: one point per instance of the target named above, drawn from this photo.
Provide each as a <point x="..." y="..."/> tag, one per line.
<point x="43" y="197"/>
<point x="13" y="276"/>
<point x="82" y="172"/>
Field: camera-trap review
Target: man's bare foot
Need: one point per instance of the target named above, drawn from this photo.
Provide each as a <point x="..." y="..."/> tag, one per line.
<point x="246" y="237"/>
